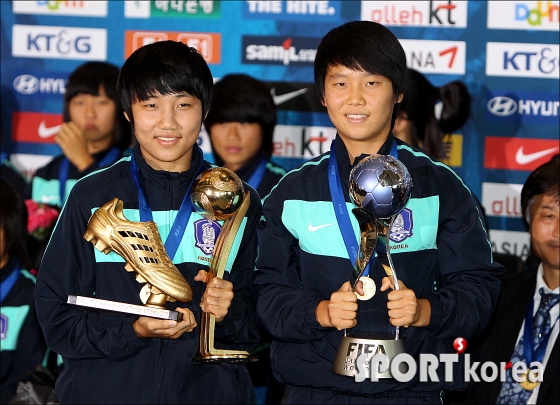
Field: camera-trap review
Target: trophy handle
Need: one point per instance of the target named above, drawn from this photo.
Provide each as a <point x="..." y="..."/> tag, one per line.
<point x="391" y="271"/>
<point x="222" y="249"/>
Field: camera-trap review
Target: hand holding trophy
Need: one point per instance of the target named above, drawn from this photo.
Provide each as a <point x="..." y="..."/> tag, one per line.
<point x="218" y="194"/>
<point x="380" y="187"/>
<point x="139" y="243"/>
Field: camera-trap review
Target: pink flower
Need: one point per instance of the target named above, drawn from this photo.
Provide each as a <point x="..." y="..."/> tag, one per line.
<point x="41" y="219"/>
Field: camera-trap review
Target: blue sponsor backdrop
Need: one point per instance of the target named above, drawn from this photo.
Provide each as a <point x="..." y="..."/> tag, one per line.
<point x="276" y="41"/>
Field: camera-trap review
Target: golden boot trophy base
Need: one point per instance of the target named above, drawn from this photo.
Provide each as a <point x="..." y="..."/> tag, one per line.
<point x="218" y="195"/>
<point x="139" y="243"/>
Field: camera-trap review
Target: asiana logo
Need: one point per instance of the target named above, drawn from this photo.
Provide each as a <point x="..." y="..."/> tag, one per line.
<point x="206" y="232"/>
<point x="402" y="227"/>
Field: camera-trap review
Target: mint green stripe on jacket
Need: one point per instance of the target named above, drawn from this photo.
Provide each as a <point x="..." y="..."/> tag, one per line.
<point x="314" y="224"/>
<point x="187" y="251"/>
<point x="48" y="191"/>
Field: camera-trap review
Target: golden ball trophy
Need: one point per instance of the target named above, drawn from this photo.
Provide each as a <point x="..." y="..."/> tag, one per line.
<point x="139" y="243"/>
<point x="218" y="194"/>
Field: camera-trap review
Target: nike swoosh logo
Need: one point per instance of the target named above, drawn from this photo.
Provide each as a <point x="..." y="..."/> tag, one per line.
<point x="282" y="98"/>
<point x="523" y="159"/>
<point x="45" y="132"/>
<point x="49" y="199"/>
<point x="312" y="228"/>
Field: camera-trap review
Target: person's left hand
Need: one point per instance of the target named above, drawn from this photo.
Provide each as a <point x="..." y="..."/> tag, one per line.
<point x="217" y="296"/>
<point x="404" y="308"/>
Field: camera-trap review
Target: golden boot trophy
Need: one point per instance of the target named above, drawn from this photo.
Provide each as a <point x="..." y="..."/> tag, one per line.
<point x="139" y="243"/>
<point x="218" y="194"/>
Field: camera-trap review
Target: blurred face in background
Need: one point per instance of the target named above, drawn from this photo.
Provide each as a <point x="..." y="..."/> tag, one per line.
<point x="95" y="116"/>
<point x="236" y="142"/>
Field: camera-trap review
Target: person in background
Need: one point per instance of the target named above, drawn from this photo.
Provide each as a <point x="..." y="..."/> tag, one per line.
<point x="94" y="133"/>
<point x="527" y="299"/>
<point x="22" y="343"/>
<point x="240" y="124"/>
<point x="13" y="176"/>
<point x="428" y="113"/>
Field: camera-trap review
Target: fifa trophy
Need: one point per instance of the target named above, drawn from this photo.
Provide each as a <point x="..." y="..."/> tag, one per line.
<point x="218" y="194"/>
<point x="139" y="243"/>
<point x="380" y="188"/>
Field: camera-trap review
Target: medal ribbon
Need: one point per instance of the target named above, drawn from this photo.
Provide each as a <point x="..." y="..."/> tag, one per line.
<point x="9" y="282"/>
<point x="532" y="353"/>
<point x="181" y="220"/>
<point x="109" y="158"/>
<point x="341" y="211"/>
<point x="256" y="178"/>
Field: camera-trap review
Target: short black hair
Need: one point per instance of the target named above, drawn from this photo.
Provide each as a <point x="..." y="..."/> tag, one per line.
<point x="545" y="179"/>
<point x="13" y="220"/>
<point x="86" y="79"/>
<point x="365" y="46"/>
<point x="242" y="98"/>
<point x="162" y="68"/>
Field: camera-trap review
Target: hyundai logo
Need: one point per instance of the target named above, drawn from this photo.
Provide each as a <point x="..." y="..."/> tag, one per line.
<point x="26" y="84"/>
<point x="502" y="106"/>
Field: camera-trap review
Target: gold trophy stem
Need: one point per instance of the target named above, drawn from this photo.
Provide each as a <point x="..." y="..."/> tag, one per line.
<point x="222" y="249"/>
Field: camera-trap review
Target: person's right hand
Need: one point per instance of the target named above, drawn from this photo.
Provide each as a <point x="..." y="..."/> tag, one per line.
<point x="74" y="145"/>
<point x="340" y="311"/>
<point x="161" y="328"/>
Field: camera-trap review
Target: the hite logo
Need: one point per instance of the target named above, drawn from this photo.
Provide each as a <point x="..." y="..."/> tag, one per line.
<point x="522" y="60"/>
<point x="28" y="84"/>
<point x="435" y="56"/>
<point x="534" y="15"/>
<point x="306" y="8"/>
<point x="33" y="41"/>
<point x="448" y="13"/>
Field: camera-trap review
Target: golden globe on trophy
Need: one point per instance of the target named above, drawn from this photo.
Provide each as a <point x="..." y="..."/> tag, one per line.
<point x="380" y="187"/>
<point x="139" y="243"/>
<point x="218" y="194"/>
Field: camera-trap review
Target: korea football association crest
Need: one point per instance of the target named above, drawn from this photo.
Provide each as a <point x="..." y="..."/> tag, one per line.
<point x="206" y="232"/>
<point x="402" y="227"/>
<point x="3" y="326"/>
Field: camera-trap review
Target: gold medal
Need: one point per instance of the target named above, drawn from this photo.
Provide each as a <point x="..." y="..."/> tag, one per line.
<point x="526" y="383"/>
<point x="369" y="289"/>
<point x="145" y="293"/>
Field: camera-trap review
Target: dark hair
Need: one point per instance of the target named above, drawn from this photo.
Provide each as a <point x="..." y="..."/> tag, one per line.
<point x="366" y="46"/>
<point x="86" y="79"/>
<point x="545" y="179"/>
<point x="163" y="68"/>
<point x="419" y="102"/>
<point x="13" y="220"/>
<point x="242" y="98"/>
